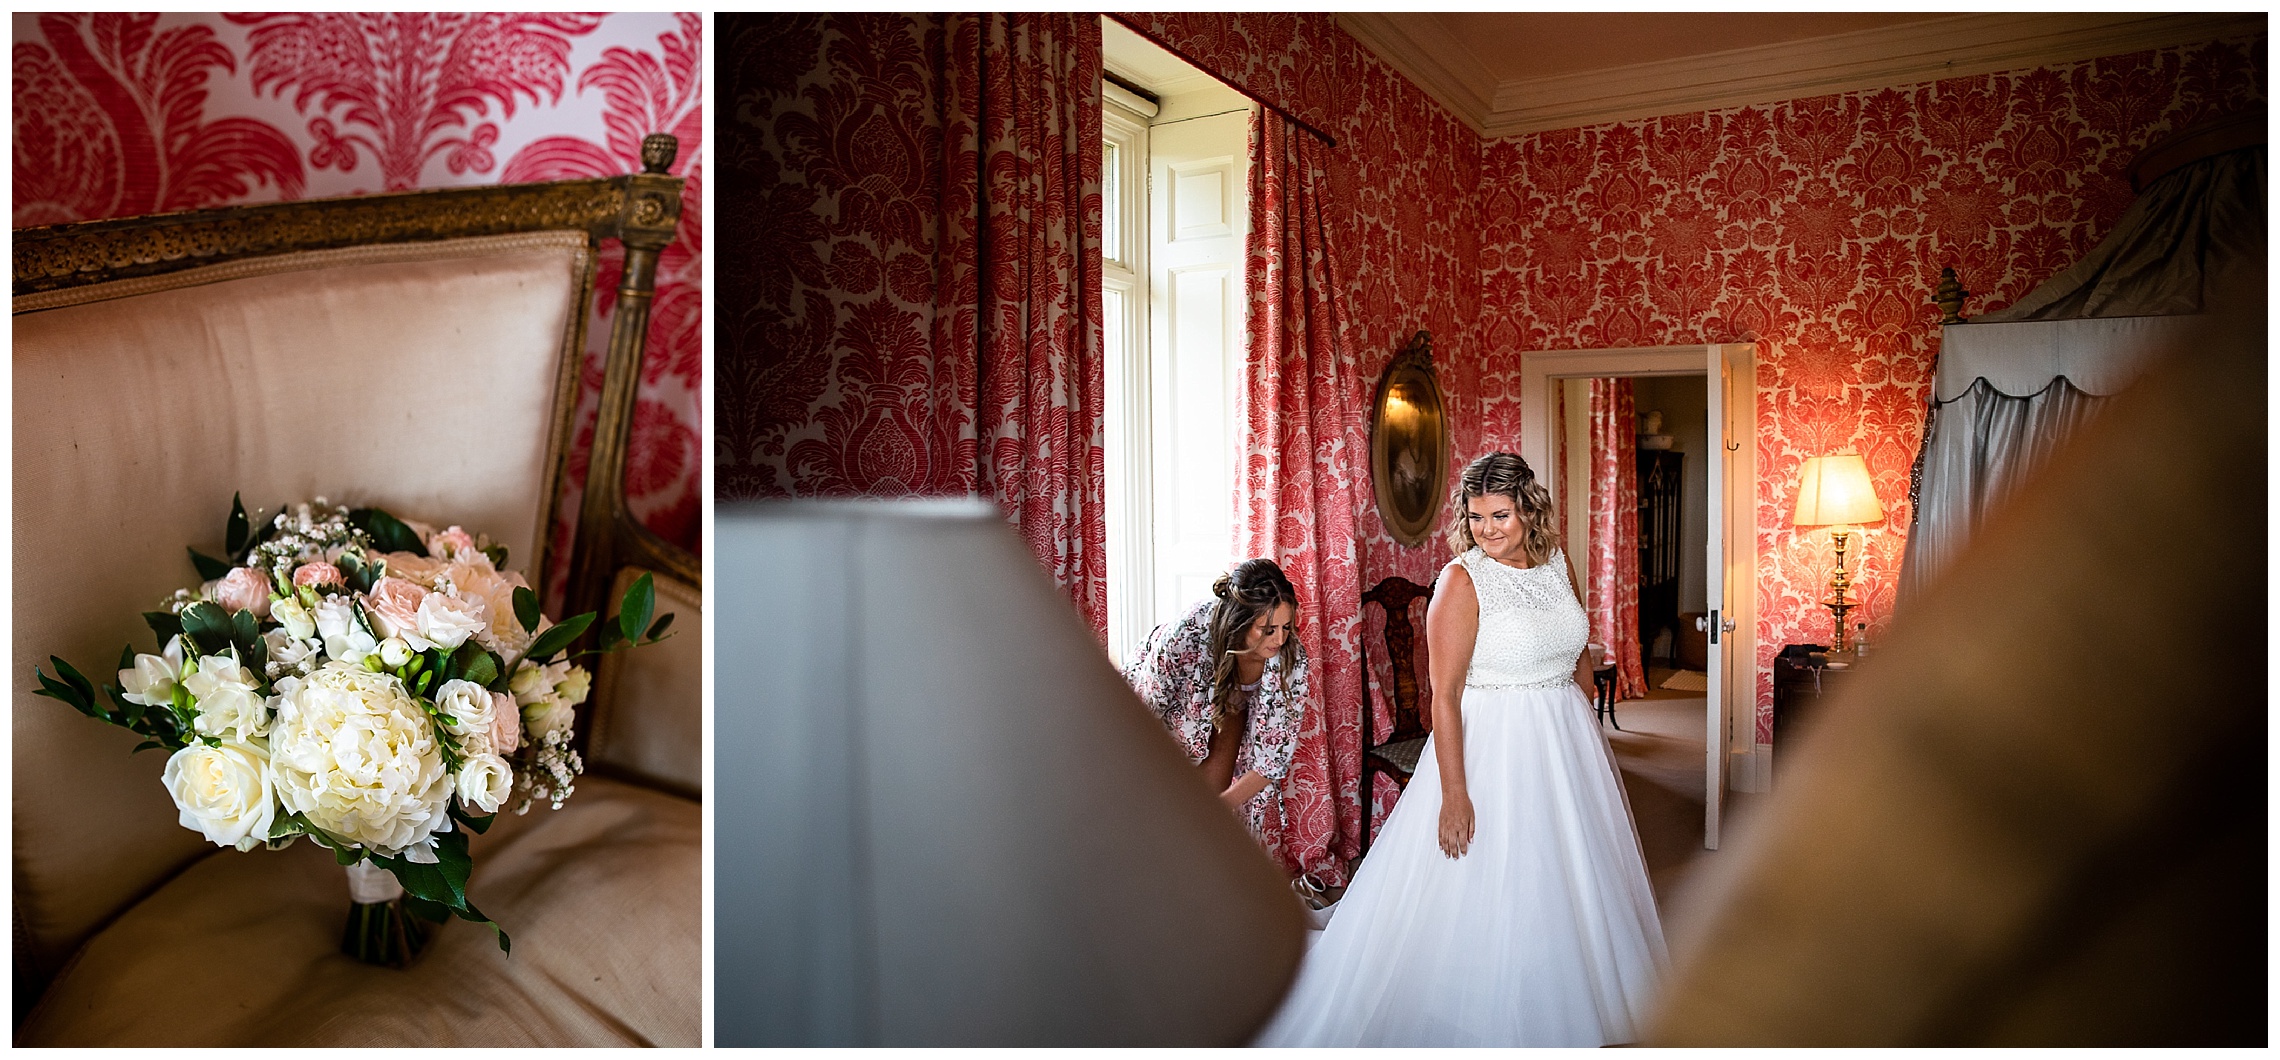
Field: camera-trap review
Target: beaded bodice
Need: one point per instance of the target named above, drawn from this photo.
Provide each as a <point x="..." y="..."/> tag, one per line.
<point x="1531" y="627"/>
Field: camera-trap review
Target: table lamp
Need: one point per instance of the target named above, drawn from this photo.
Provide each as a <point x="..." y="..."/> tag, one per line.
<point x="1834" y="491"/>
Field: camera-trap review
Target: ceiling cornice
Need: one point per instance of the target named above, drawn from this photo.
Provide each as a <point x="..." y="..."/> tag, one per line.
<point x="1910" y="53"/>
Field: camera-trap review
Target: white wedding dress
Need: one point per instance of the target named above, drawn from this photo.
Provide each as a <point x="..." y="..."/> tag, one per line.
<point x="1545" y="931"/>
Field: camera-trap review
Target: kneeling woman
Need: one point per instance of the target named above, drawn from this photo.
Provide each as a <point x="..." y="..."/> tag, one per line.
<point x="1229" y="681"/>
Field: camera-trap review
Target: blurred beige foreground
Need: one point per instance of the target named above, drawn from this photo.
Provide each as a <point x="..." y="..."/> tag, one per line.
<point x="943" y="817"/>
<point x="2041" y="819"/>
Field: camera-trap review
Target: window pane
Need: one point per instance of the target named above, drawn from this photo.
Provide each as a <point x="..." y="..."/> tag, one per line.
<point x="1111" y="204"/>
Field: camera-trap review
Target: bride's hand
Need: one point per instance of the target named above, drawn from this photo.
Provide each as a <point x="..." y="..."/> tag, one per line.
<point x="1456" y="824"/>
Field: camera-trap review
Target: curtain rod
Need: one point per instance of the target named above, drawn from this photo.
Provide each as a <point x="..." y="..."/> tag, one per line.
<point x="1263" y="101"/>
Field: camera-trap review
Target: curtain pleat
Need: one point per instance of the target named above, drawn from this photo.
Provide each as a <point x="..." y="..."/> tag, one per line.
<point x="1978" y="449"/>
<point x="1303" y="480"/>
<point x="1614" y="561"/>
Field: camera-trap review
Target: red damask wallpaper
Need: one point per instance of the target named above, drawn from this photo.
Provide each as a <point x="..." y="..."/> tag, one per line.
<point x="124" y="114"/>
<point x="1817" y="228"/>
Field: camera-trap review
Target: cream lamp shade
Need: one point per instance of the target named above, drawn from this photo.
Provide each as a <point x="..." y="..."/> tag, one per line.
<point x="1834" y="490"/>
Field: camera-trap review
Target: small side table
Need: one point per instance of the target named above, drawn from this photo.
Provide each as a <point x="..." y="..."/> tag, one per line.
<point x="1603" y="680"/>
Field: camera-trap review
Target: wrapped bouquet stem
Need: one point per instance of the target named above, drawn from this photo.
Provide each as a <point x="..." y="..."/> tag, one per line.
<point x="380" y="930"/>
<point x="377" y="686"/>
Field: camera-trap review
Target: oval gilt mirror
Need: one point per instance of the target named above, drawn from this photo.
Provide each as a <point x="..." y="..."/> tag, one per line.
<point x="1409" y="443"/>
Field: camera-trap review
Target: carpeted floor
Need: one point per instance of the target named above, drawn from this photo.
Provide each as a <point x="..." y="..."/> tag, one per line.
<point x="1660" y="752"/>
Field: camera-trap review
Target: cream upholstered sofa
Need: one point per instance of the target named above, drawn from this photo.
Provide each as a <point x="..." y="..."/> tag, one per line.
<point x="419" y="352"/>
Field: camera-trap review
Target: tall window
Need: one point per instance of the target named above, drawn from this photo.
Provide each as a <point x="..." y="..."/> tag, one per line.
<point x="1175" y="208"/>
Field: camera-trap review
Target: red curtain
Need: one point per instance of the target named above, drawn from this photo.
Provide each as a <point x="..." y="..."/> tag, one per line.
<point x="924" y="195"/>
<point x="1614" y="560"/>
<point x="1303" y="479"/>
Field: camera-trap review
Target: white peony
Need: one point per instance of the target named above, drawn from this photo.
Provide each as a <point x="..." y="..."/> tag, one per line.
<point x="224" y="792"/>
<point x="353" y="751"/>
<point x="346" y="639"/>
<point x="229" y="704"/>
<point x="151" y="683"/>
<point x="485" y="781"/>
<point x="469" y="708"/>
<point x="447" y="621"/>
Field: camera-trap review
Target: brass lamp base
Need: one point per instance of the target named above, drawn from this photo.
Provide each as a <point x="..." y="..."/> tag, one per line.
<point x="1839" y="582"/>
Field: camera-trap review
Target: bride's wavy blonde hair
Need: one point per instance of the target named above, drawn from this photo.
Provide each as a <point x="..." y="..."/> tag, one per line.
<point x="1505" y="475"/>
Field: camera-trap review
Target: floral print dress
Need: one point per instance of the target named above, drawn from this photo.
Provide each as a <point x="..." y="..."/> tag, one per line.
<point x="1172" y="674"/>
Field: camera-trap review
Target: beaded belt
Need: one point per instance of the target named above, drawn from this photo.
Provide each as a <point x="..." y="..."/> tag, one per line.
<point x="1549" y="682"/>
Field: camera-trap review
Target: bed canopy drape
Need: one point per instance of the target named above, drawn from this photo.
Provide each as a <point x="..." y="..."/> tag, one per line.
<point x="2012" y="386"/>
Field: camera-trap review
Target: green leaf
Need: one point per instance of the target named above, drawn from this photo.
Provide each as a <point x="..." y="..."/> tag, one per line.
<point x="498" y="556"/>
<point x="526" y="608"/>
<point x="128" y="712"/>
<point x="65" y="691"/>
<point x="612" y="633"/>
<point x="208" y="626"/>
<point x="477" y="825"/>
<point x="147" y="745"/>
<point x="239" y="529"/>
<point x="477" y="665"/>
<point x="348" y="855"/>
<point x="635" y="609"/>
<point x="165" y="625"/>
<point x="558" y="637"/>
<point x="209" y="568"/>
<point x="664" y="622"/>
<point x="388" y="533"/>
<point x="426" y="910"/>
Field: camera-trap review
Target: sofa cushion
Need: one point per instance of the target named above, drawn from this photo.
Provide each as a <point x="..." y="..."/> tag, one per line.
<point x="425" y="378"/>
<point x="604" y="899"/>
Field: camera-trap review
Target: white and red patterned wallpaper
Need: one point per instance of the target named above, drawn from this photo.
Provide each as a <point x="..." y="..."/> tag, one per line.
<point x="124" y="114"/>
<point x="1817" y="228"/>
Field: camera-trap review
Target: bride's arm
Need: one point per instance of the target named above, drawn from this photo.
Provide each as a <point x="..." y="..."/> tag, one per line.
<point x="1452" y="621"/>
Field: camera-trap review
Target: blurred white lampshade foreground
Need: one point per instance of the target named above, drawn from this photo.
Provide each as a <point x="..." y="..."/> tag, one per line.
<point x="943" y="819"/>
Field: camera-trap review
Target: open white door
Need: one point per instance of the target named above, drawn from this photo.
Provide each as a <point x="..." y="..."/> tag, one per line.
<point x="1719" y="465"/>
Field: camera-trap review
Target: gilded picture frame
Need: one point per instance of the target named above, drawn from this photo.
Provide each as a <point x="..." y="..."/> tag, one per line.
<point x="1409" y="443"/>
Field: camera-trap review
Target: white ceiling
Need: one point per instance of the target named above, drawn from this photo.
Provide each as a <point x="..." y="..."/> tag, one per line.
<point x="1512" y="72"/>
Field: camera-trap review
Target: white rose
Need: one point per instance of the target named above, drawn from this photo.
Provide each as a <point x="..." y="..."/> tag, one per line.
<point x="468" y="706"/>
<point x="447" y="621"/>
<point x="353" y="751"/>
<point x="485" y="781"/>
<point x="224" y="792"/>
<point x="228" y="704"/>
<point x="574" y="687"/>
<point x="547" y="714"/>
<point x="288" y="651"/>
<point x="296" y="619"/>
<point x="346" y="639"/>
<point x="151" y="682"/>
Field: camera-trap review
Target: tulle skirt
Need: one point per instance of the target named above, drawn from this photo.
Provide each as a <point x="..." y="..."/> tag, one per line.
<point x="1544" y="933"/>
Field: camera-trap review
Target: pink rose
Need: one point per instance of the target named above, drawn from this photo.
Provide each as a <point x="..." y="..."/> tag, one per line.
<point x="243" y="589"/>
<point x="396" y="603"/>
<point x="506" y="724"/>
<point x="451" y="544"/>
<point x="315" y="574"/>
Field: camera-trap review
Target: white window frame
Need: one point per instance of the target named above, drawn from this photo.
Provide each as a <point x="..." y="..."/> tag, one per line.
<point x="1131" y="541"/>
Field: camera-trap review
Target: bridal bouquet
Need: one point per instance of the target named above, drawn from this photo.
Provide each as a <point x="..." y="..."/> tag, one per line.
<point x="376" y="685"/>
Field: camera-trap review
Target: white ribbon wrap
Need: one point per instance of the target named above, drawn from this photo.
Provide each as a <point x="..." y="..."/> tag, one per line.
<point x="369" y="884"/>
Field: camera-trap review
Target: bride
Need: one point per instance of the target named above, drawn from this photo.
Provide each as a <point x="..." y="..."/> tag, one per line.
<point x="1505" y="901"/>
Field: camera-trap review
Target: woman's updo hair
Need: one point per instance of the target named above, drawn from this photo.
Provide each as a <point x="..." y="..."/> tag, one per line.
<point x="1247" y="595"/>
<point x="1506" y="475"/>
